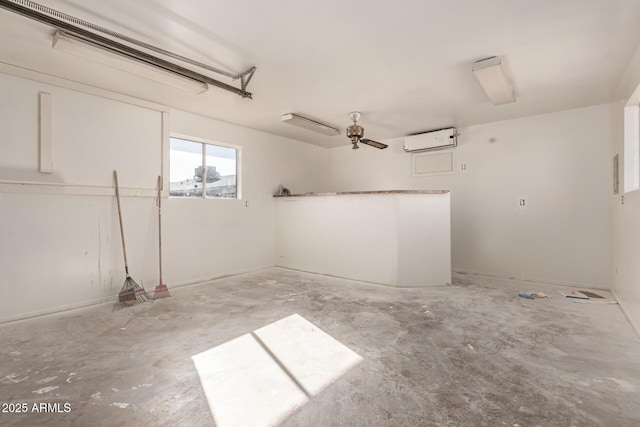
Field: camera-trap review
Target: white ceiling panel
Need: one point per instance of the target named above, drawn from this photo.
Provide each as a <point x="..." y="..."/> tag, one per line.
<point x="406" y="65"/>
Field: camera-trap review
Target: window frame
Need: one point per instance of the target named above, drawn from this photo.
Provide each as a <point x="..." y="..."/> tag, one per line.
<point x="631" y="143"/>
<point x="205" y="142"/>
<point x="631" y="148"/>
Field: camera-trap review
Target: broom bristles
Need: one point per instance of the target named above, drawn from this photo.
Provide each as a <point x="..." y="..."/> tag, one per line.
<point x="131" y="294"/>
<point x="161" y="291"/>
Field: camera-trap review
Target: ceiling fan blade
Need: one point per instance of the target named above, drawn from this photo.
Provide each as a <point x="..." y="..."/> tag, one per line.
<point x="372" y="143"/>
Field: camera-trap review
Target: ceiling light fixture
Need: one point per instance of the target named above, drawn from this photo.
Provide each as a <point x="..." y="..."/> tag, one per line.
<point x="491" y="76"/>
<point x="303" y="122"/>
<point x="84" y="48"/>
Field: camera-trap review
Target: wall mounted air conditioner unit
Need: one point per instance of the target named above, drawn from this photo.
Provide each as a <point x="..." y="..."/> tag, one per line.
<point x="435" y="140"/>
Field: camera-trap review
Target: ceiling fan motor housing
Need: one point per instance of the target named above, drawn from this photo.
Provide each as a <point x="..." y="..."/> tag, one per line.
<point x="355" y="133"/>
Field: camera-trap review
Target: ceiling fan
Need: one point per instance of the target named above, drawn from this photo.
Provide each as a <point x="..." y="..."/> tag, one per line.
<point x="355" y="133"/>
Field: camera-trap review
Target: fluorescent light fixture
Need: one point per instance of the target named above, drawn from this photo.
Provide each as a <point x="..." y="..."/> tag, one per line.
<point x="74" y="45"/>
<point x="492" y="79"/>
<point x="303" y="122"/>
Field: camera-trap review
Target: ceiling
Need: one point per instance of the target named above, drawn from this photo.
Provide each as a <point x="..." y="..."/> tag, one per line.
<point x="406" y="65"/>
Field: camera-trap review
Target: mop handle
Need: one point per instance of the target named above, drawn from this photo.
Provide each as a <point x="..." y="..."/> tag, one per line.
<point x="124" y="249"/>
<point x="160" y="225"/>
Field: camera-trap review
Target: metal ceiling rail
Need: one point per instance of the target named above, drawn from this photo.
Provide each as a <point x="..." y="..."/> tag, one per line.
<point x="30" y="11"/>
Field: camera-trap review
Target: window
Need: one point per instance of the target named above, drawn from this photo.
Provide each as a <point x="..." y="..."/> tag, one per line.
<point x="194" y="166"/>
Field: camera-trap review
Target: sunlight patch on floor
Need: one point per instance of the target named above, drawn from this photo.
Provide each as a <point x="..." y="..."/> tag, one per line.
<point x="260" y="378"/>
<point x="314" y="358"/>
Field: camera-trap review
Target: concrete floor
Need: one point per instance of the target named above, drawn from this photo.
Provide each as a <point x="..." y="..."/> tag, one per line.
<point x="472" y="354"/>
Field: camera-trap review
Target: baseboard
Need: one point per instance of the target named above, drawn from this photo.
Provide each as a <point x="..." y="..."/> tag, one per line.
<point x="627" y="314"/>
<point x="202" y="281"/>
<point x="55" y="310"/>
<point x="566" y="284"/>
<point x="386" y="285"/>
<point x="110" y="299"/>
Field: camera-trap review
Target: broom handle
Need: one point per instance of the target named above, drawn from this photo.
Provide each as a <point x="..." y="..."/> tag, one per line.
<point x="124" y="248"/>
<point x="160" y="225"/>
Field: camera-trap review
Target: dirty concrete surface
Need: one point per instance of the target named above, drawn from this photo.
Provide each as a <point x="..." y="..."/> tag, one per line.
<point x="470" y="354"/>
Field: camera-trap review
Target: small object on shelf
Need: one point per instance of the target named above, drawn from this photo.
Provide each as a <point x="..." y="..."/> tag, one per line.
<point x="282" y="191"/>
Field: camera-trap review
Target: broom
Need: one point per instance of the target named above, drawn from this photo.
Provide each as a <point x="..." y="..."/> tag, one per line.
<point x="131" y="293"/>
<point x="161" y="290"/>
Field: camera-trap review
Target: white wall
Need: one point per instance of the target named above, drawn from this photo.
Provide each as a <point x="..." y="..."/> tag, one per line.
<point x="558" y="162"/>
<point x="626" y="218"/>
<point x="225" y="236"/>
<point x="61" y="250"/>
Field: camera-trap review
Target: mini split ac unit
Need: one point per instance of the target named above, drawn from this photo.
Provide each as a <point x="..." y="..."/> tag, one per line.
<point x="436" y="140"/>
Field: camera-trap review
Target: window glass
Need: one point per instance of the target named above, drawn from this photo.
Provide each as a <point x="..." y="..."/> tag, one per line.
<point x="221" y="171"/>
<point x="195" y="165"/>
<point x="185" y="157"/>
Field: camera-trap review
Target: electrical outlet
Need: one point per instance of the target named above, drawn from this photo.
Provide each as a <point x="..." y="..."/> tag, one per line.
<point x="463" y="166"/>
<point x="522" y="202"/>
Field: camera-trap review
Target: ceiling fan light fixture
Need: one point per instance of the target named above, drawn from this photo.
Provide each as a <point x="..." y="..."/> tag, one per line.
<point x="355" y="133"/>
<point x="303" y="122"/>
<point x="491" y="76"/>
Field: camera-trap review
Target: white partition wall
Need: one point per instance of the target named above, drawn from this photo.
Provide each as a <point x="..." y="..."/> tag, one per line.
<point x="395" y="238"/>
<point x="424" y="239"/>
